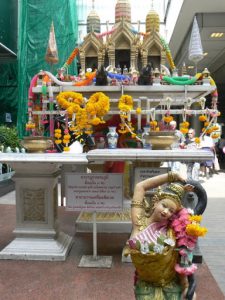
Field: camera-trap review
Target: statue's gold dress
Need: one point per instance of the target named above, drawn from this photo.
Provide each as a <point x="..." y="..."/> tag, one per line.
<point x="156" y="278"/>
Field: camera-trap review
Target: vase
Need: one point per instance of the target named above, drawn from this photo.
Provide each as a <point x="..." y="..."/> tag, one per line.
<point x="112" y="138"/>
<point x="145" y="138"/>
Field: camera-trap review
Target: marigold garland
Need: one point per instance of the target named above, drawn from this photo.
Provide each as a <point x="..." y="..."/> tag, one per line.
<point x="215" y="135"/>
<point x="138" y="111"/>
<point x="86" y="114"/>
<point x="58" y="135"/>
<point x="215" y="128"/>
<point x="184" y="130"/>
<point x="167" y="118"/>
<point x="30" y="126"/>
<point x="185" y="124"/>
<point x="153" y="125"/>
<point x="125" y="103"/>
<point x="98" y="104"/>
<point x="202" y="118"/>
<point x="197" y="140"/>
<point x="70" y="101"/>
<point x="206" y="124"/>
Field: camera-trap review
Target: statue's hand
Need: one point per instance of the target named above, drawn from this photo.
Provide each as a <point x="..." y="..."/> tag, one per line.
<point x="189" y="187"/>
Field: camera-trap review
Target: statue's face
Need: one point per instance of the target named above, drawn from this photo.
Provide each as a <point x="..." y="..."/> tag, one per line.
<point x="164" y="209"/>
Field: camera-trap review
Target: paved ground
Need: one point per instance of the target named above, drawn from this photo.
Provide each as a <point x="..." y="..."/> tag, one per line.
<point x="213" y="244"/>
<point x="37" y="280"/>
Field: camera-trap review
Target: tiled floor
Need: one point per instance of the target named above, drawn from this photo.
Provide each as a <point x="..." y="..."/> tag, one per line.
<point x="41" y="280"/>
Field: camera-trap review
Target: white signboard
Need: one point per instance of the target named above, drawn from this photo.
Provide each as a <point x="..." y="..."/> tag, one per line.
<point x="101" y="192"/>
<point x="141" y="174"/>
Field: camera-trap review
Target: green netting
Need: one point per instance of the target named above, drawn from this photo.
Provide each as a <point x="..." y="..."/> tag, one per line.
<point x="8" y="91"/>
<point x="35" y="17"/>
<point x="8" y="64"/>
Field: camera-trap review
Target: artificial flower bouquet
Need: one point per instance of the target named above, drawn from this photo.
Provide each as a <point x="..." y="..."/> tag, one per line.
<point x="144" y="247"/>
<point x="154" y="262"/>
<point x="187" y="229"/>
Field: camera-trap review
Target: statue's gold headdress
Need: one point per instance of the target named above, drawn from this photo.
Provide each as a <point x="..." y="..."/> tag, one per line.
<point x="174" y="192"/>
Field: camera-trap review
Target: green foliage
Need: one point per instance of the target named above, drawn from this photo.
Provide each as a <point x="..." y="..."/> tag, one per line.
<point x="9" y="137"/>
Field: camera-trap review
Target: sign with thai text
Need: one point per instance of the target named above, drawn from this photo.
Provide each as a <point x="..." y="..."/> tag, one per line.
<point x="141" y="174"/>
<point x="100" y="192"/>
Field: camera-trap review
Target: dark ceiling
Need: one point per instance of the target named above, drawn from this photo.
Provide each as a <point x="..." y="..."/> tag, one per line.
<point x="211" y="18"/>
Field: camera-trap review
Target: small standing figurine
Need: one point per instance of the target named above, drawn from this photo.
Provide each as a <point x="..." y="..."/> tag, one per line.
<point x="163" y="237"/>
<point x="125" y="70"/>
<point x="118" y="69"/>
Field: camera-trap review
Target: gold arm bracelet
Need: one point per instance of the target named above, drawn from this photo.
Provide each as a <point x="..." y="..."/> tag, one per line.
<point x="172" y="176"/>
<point x="137" y="204"/>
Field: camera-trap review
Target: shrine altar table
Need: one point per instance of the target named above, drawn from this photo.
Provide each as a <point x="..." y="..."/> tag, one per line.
<point x="37" y="232"/>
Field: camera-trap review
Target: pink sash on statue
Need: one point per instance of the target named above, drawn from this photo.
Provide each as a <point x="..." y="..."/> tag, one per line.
<point x="150" y="233"/>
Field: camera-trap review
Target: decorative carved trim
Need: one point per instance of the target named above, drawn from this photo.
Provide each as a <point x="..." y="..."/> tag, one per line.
<point x="34" y="205"/>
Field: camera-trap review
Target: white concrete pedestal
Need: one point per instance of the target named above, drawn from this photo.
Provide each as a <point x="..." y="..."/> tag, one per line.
<point x="37" y="234"/>
<point x="28" y="248"/>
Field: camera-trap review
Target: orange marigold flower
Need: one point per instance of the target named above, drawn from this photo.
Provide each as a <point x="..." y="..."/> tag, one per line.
<point x="197" y="140"/>
<point x="195" y="218"/>
<point x="196" y="230"/>
<point x="153" y="123"/>
<point x="202" y="118"/>
<point x="67" y="136"/>
<point x="215" y="128"/>
<point x="57" y="135"/>
<point x="96" y="121"/>
<point x="209" y="130"/>
<point x="215" y="135"/>
<point x="66" y="149"/>
<point x="58" y="142"/>
<point x="138" y="111"/>
<point x="168" y="119"/>
<point x="185" y="124"/>
<point x="122" y="131"/>
<point x="184" y="130"/>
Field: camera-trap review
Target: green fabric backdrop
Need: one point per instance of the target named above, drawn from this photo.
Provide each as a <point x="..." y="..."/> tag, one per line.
<point x="35" y="17"/>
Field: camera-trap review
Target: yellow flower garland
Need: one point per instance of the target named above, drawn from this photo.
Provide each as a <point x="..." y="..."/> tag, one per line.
<point x="197" y="140"/>
<point x="125" y="103"/>
<point x="202" y="118"/>
<point x="168" y="118"/>
<point x="98" y="104"/>
<point x="70" y="101"/>
<point x="87" y="114"/>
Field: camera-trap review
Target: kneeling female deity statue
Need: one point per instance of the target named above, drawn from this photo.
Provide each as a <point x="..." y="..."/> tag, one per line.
<point x="163" y="238"/>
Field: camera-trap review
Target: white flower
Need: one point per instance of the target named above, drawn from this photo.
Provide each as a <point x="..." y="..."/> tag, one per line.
<point x="190" y="211"/>
<point x="158" y="248"/>
<point x="144" y="247"/>
<point x="169" y="242"/>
